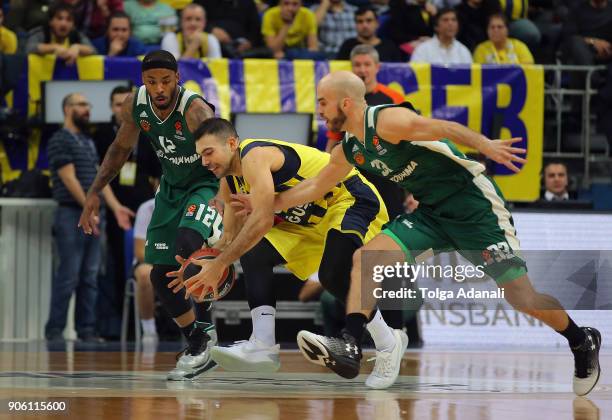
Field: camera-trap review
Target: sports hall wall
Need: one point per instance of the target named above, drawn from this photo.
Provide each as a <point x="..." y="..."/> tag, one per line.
<point x="507" y="101"/>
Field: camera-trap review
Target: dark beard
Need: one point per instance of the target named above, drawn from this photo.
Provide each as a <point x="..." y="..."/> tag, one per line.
<point x="167" y="105"/>
<point x="81" y="123"/>
<point x="337" y="122"/>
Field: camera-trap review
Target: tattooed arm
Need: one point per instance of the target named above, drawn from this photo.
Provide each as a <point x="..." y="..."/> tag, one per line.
<point x="115" y="157"/>
<point x="197" y="113"/>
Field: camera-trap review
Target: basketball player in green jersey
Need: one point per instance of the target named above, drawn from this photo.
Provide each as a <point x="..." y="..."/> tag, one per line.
<point x="460" y="208"/>
<point x="182" y="221"/>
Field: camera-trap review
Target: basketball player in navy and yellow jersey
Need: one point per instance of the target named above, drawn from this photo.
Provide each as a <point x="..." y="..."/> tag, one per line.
<point x="182" y="221"/>
<point x="320" y="235"/>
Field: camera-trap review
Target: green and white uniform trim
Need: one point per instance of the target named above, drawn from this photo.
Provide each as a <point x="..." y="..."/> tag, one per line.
<point x="460" y="208"/>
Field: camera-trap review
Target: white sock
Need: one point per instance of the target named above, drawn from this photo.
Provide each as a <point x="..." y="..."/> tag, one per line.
<point x="148" y="326"/>
<point x="263" y="324"/>
<point x="381" y="333"/>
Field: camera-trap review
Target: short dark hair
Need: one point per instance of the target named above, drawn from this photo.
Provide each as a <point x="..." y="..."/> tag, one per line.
<point x="217" y="127"/>
<point x="443" y="11"/>
<point x="119" y="15"/>
<point x="501" y="16"/>
<point x="119" y="90"/>
<point x="159" y="59"/>
<point x="59" y="7"/>
<point x="555" y="162"/>
<point x="365" y="9"/>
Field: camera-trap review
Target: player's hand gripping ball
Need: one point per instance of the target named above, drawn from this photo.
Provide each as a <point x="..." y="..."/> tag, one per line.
<point x="226" y="282"/>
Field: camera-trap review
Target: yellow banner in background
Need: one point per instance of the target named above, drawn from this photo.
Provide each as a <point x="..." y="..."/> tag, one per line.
<point x="504" y="101"/>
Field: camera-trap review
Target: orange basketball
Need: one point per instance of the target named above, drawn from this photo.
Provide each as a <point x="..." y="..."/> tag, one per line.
<point x="226" y="282"/>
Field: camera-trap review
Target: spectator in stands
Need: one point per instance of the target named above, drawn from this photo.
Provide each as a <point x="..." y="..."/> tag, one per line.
<point x="336" y="22"/>
<point x="411" y="23"/>
<point x="520" y="27"/>
<point x="290" y="31"/>
<point x="91" y="16"/>
<point x="118" y="41"/>
<point x="555" y="182"/>
<point x="588" y="33"/>
<point x="25" y="15"/>
<point x="237" y="26"/>
<point x="73" y="161"/>
<point x="59" y="37"/>
<point x="500" y="49"/>
<point x="473" y="18"/>
<point x="151" y="19"/>
<point x="366" y="22"/>
<point x="443" y="48"/>
<point x="192" y="41"/>
<point x="8" y="39"/>
<point x="142" y="273"/>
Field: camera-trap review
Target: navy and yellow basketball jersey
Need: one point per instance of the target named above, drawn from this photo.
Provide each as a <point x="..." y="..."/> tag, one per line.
<point x="301" y="162"/>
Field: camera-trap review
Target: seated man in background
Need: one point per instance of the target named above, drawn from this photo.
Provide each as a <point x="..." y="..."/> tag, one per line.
<point x="8" y="39"/>
<point x="443" y="48"/>
<point x="142" y="273"/>
<point x="237" y="26"/>
<point x="290" y="31"/>
<point x="336" y="24"/>
<point x="192" y="41"/>
<point x="500" y="49"/>
<point x="118" y="40"/>
<point x="366" y="23"/>
<point x="151" y="19"/>
<point x="555" y="182"/>
<point x="59" y="37"/>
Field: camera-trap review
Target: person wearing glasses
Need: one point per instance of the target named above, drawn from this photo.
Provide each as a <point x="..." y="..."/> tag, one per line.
<point x="73" y="163"/>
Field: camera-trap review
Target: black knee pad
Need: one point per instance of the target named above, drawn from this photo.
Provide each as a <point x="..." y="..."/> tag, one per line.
<point x="174" y="303"/>
<point x="336" y="264"/>
<point x="258" y="264"/>
<point x="188" y="241"/>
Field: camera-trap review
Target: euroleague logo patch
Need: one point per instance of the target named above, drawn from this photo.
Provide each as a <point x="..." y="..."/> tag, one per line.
<point x="190" y="210"/>
<point x="359" y="158"/>
<point x="144" y="124"/>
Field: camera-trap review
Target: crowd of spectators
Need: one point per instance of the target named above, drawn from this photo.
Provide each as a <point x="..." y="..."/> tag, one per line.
<point x="434" y="31"/>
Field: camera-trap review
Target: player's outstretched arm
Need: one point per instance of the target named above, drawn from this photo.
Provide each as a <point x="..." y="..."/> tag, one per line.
<point x="401" y="124"/>
<point x="115" y="157"/>
<point x="314" y="188"/>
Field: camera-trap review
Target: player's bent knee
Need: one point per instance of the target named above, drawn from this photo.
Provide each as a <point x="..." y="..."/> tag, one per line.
<point x="188" y="241"/>
<point x="174" y="303"/>
<point x="142" y="273"/>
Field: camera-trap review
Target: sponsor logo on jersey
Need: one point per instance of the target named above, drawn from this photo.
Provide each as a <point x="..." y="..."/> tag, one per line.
<point x="143" y="114"/>
<point x="161" y="245"/>
<point x="190" y="210"/>
<point x="179" y="137"/>
<point x="355" y="148"/>
<point x="376" y="142"/>
<point x="359" y="158"/>
<point x="405" y="173"/>
<point x="144" y="124"/>
<point x="178" y="127"/>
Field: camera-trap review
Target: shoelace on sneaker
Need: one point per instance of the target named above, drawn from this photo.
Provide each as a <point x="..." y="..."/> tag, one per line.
<point x="382" y="365"/>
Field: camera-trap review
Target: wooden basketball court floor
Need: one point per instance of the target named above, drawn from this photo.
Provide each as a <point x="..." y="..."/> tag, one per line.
<point x="433" y="384"/>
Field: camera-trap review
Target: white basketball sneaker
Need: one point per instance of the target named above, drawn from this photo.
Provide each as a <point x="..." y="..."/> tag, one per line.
<point x="387" y="365"/>
<point x="247" y="356"/>
<point x="195" y="359"/>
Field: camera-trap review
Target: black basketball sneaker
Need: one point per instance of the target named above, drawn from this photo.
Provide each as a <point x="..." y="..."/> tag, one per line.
<point x="342" y="355"/>
<point x="586" y="362"/>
